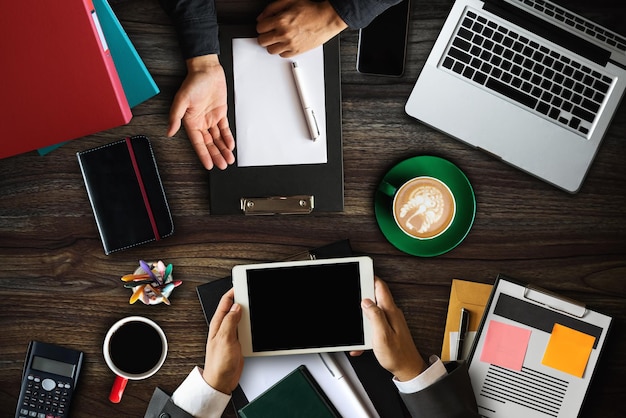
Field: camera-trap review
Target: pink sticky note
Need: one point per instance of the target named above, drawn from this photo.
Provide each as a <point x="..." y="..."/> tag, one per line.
<point x="505" y="345"/>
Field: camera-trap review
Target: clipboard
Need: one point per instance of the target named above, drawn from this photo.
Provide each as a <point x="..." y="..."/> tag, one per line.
<point x="535" y="353"/>
<point x="282" y="189"/>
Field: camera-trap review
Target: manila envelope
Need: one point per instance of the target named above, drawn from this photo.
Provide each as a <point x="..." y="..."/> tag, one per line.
<point x="471" y="296"/>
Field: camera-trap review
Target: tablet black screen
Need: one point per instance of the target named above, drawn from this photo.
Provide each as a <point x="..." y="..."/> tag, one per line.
<point x="305" y="307"/>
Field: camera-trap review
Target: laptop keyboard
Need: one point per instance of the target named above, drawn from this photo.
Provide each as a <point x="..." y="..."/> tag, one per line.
<point x="536" y="77"/>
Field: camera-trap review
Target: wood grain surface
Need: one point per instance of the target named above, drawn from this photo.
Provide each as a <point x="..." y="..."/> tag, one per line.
<point x="56" y="284"/>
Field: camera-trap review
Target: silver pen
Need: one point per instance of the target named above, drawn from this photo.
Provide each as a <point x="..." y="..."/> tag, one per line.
<point x="309" y="114"/>
<point x="463" y="327"/>
<point x="335" y="370"/>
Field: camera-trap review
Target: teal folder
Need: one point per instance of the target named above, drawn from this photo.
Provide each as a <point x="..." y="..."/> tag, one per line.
<point x="296" y="395"/>
<point x="137" y="82"/>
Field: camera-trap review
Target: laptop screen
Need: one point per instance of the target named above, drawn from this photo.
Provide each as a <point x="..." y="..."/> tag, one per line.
<point x="609" y="13"/>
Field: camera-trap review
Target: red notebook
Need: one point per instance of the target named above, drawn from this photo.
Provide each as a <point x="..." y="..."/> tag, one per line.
<point x="58" y="77"/>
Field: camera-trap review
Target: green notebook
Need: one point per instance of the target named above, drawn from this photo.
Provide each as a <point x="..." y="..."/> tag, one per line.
<point x="296" y="395"/>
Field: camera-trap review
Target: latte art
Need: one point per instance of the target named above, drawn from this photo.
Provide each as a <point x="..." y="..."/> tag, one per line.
<point x="424" y="207"/>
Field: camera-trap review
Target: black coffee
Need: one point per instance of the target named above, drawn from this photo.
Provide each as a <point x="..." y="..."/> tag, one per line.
<point x="135" y="347"/>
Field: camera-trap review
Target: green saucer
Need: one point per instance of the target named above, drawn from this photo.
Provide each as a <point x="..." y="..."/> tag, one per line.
<point x="463" y="193"/>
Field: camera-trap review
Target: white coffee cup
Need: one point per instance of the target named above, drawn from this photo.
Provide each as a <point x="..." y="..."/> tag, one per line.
<point x="134" y="348"/>
<point x="423" y="207"/>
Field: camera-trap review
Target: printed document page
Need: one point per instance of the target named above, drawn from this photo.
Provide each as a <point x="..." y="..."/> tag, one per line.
<point x="533" y="361"/>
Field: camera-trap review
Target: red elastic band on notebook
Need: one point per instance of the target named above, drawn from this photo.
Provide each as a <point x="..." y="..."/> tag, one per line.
<point x="143" y="189"/>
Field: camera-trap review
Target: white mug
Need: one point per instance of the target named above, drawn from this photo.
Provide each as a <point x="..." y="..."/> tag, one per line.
<point x="423" y="207"/>
<point x="134" y="348"/>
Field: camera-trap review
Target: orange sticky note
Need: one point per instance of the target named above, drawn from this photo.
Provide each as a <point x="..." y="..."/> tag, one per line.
<point x="568" y="350"/>
<point x="505" y="345"/>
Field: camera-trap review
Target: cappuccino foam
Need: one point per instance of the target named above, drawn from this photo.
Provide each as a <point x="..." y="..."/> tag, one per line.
<point x="424" y="207"/>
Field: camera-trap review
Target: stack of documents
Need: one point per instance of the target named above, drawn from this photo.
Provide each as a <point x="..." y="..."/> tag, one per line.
<point x="472" y="297"/>
<point x="332" y="372"/>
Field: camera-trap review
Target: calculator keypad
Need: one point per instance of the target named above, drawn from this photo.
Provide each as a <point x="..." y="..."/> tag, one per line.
<point x="45" y="398"/>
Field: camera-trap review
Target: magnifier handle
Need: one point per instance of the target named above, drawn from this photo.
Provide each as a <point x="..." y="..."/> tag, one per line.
<point x="118" y="389"/>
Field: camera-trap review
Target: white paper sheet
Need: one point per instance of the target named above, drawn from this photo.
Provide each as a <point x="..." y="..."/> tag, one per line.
<point x="348" y="396"/>
<point x="270" y="125"/>
<point x="467" y="344"/>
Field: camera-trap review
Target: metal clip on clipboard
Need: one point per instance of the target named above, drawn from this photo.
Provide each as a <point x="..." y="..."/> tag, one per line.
<point x="277" y="205"/>
<point x="554" y="301"/>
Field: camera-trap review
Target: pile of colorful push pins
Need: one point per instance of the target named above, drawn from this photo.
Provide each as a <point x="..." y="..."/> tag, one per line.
<point x="151" y="283"/>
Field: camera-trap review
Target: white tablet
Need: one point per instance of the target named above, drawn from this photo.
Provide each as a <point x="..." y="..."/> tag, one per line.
<point x="297" y="307"/>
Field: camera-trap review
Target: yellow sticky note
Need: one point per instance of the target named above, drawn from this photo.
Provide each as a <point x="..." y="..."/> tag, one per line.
<point x="568" y="350"/>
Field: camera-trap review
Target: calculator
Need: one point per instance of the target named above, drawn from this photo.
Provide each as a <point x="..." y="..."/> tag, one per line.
<point x="48" y="381"/>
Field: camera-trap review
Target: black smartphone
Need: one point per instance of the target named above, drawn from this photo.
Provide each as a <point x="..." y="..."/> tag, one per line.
<point x="48" y="381"/>
<point x="382" y="44"/>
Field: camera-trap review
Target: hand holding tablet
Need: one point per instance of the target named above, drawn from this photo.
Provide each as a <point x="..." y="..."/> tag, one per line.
<point x="297" y="307"/>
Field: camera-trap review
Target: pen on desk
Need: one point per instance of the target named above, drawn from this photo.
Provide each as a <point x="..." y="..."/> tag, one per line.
<point x="463" y="327"/>
<point x="309" y="115"/>
<point x="337" y="373"/>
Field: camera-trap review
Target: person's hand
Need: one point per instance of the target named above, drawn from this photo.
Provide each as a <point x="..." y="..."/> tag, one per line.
<point x="201" y="105"/>
<point x="291" y="27"/>
<point x="392" y="342"/>
<point x="223" y="361"/>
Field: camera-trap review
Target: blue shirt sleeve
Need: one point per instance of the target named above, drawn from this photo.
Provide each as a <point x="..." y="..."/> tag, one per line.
<point x="359" y="13"/>
<point x="196" y="26"/>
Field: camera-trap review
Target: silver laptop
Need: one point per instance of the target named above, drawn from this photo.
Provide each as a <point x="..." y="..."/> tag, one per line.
<point x="527" y="81"/>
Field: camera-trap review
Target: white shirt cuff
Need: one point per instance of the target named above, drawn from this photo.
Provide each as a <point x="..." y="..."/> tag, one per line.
<point x="434" y="372"/>
<point x="198" y="398"/>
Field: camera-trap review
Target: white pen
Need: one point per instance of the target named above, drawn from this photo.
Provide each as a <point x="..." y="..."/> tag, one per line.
<point x="309" y="115"/>
<point x="337" y="373"/>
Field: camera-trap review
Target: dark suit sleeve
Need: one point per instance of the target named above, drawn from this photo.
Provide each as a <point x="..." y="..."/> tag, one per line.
<point x="161" y="406"/>
<point x="359" y="13"/>
<point x="450" y="397"/>
<point x="196" y="26"/>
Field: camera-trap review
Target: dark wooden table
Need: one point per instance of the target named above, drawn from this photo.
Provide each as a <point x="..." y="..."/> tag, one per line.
<point x="57" y="285"/>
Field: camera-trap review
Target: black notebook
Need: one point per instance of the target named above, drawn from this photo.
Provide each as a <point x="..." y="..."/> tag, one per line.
<point x="126" y="193"/>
